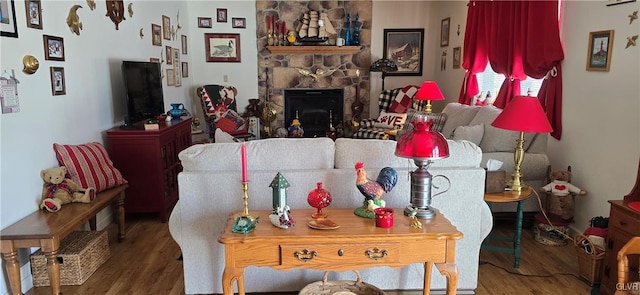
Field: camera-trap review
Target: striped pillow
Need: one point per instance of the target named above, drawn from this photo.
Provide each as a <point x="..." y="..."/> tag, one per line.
<point x="89" y="165"/>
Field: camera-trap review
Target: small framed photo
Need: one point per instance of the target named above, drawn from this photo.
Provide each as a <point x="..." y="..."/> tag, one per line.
<point x="457" y="57"/>
<point x="183" y="39"/>
<point x="445" y="25"/>
<point x="169" y="54"/>
<point x="53" y="48"/>
<point x="58" y="85"/>
<point x="166" y="27"/>
<point x="156" y="38"/>
<point x="204" y="22"/>
<point x="185" y="69"/>
<point x="599" y="54"/>
<point x="405" y="47"/>
<point x="171" y="79"/>
<point x="221" y="15"/>
<point x="34" y="13"/>
<point x="222" y="47"/>
<point x="154" y="59"/>
<point x="239" y="22"/>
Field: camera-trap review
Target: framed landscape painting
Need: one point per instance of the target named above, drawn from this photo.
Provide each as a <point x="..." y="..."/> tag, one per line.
<point x="405" y="48"/>
<point x="599" y="54"/>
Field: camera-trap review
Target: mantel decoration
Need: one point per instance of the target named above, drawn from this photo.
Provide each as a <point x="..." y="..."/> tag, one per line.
<point x="281" y="214"/>
<point x="244" y="222"/>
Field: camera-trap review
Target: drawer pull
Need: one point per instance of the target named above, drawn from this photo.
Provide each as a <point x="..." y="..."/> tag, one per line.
<point x="623" y="223"/>
<point x="340" y="252"/>
<point x="305" y="255"/>
<point x="376" y="254"/>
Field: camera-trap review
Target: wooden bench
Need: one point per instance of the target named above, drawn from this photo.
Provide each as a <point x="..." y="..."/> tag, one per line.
<point x="46" y="229"/>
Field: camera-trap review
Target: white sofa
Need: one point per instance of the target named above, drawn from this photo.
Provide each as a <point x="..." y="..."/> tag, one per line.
<point x="210" y="189"/>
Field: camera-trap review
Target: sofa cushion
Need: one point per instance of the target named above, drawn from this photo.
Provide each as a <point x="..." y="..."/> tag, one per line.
<point x="472" y="133"/>
<point x="403" y="100"/>
<point x="496" y="139"/>
<point x="89" y="165"/>
<point x="390" y="120"/>
<point x="457" y="115"/>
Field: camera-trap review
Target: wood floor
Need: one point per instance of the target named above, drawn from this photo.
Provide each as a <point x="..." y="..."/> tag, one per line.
<point x="146" y="263"/>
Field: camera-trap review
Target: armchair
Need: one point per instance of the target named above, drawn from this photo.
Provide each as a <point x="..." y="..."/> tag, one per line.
<point x="220" y="111"/>
<point x="393" y="103"/>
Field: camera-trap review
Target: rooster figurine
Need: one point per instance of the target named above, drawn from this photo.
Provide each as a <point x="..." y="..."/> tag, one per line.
<point x="372" y="190"/>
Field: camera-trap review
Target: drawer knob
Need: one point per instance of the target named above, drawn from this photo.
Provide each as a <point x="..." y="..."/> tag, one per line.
<point x="305" y="255"/>
<point x="340" y="252"/>
<point x="376" y="254"/>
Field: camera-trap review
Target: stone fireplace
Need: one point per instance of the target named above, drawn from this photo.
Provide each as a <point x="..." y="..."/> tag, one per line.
<point x="283" y="70"/>
<point x="314" y="107"/>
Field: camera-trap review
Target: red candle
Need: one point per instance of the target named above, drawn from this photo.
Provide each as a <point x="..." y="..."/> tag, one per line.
<point x="268" y="22"/>
<point x="244" y="163"/>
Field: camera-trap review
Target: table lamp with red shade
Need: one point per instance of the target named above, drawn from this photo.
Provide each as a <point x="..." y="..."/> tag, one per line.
<point x="429" y="91"/>
<point x="523" y="114"/>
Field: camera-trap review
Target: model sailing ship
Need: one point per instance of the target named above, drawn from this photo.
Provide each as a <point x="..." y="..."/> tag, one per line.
<point x="315" y="27"/>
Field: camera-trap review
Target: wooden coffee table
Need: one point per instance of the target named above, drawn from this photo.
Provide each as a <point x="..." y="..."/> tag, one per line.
<point x="357" y="244"/>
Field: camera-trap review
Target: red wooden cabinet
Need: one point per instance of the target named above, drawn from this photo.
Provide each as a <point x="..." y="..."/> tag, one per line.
<point x="148" y="159"/>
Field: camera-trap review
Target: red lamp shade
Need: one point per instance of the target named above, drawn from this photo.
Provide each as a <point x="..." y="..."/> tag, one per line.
<point x="429" y="91"/>
<point x="421" y="143"/>
<point x="523" y="113"/>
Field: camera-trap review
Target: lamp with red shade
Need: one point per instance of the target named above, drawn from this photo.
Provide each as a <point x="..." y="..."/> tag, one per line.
<point x="524" y="114"/>
<point x="423" y="146"/>
<point x="429" y="91"/>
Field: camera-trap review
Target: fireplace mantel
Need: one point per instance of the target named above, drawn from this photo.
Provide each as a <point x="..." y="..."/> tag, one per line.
<point x="313" y="49"/>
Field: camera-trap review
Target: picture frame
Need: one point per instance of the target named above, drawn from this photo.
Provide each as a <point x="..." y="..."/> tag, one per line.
<point x="445" y="27"/>
<point x="154" y="59"/>
<point x="166" y="27"/>
<point x="156" y="35"/>
<point x="168" y="52"/>
<point x="239" y="22"/>
<point x="204" y="22"/>
<point x="185" y="69"/>
<point x="8" y="25"/>
<point x="599" y="52"/>
<point x="457" y="57"/>
<point x="183" y="40"/>
<point x="58" y="84"/>
<point x="53" y="48"/>
<point x="222" y="47"/>
<point x="177" y="68"/>
<point x="221" y="15"/>
<point x="33" y="9"/>
<point x="406" y="48"/>
<point x="170" y="77"/>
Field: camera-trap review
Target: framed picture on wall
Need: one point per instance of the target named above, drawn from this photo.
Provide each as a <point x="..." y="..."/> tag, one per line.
<point x="177" y="67"/>
<point x="445" y="26"/>
<point x="169" y="54"/>
<point x="185" y="69"/>
<point x="33" y="9"/>
<point x="221" y="15"/>
<point x="166" y="27"/>
<point x="222" y="47"/>
<point x="457" y="57"/>
<point x="183" y="40"/>
<point x="58" y="84"/>
<point x="239" y="22"/>
<point x="8" y="25"/>
<point x="171" y="78"/>
<point x="405" y="48"/>
<point x="204" y="22"/>
<point x="156" y="35"/>
<point x="599" y="53"/>
<point x="53" y="48"/>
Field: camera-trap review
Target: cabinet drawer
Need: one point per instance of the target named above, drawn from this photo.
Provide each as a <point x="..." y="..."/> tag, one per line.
<point x="301" y="255"/>
<point x="625" y="222"/>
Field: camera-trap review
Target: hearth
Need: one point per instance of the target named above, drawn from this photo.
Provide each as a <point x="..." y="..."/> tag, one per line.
<point x="313" y="107"/>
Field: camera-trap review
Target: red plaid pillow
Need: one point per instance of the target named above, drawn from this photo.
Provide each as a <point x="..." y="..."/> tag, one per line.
<point x="403" y="100"/>
<point x="89" y="165"/>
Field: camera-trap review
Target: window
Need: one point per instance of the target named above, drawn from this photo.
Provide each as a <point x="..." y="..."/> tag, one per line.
<point x="491" y="81"/>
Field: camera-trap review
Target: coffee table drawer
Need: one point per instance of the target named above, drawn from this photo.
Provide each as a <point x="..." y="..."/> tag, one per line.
<point x="301" y="255"/>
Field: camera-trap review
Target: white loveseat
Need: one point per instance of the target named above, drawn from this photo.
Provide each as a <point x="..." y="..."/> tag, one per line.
<point x="210" y="189"/>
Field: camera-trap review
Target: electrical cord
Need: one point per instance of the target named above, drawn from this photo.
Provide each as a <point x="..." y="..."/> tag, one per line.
<point x="535" y="275"/>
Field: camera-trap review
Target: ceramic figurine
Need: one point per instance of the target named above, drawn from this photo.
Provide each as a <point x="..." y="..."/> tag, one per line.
<point x="372" y="190"/>
<point x="281" y="214"/>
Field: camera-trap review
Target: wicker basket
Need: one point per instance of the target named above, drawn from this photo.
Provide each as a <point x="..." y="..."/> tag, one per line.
<point x="325" y="287"/>
<point x="590" y="264"/>
<point x="80" y="254"/>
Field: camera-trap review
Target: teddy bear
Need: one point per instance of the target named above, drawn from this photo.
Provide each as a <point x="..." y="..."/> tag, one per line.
<point x="561" y="197"/>
<point x="58" y="190"/>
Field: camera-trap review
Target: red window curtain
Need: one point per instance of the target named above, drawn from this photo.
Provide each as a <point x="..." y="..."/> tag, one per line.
<point x="519" y="39"/>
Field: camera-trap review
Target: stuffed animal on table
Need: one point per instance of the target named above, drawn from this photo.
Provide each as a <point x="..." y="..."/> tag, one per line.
<point x="561" y="194"/>
<point x="372" y="190"/>
<point x="58" y="190"/>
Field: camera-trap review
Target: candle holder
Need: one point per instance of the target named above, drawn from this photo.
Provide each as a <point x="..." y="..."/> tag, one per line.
<point x="245" y="223"/>
<point x="270" y="38"/>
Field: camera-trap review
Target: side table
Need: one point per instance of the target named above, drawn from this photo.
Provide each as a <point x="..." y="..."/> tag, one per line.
<point x="506" y="197"/>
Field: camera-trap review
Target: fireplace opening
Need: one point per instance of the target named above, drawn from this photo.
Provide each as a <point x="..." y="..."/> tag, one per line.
<point x="313" y="107"/>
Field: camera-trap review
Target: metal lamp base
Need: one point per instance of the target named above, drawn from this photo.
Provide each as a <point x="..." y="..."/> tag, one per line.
<point x="421" y="192"/>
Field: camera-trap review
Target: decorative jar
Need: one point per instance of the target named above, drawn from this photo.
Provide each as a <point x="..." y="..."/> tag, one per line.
<point x="319" y="198"/>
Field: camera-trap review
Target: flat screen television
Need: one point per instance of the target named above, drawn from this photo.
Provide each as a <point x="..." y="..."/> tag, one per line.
<point x="143" y="84"/>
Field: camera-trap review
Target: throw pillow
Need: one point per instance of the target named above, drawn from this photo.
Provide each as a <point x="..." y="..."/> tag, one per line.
<point x="89" y="165"/>
<point x="403" y="100"/>
<point x="390" y="120"/>
<point x="471" y="133"/>
<point x="221" y="136"/>
<point x="457" y="115"/>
